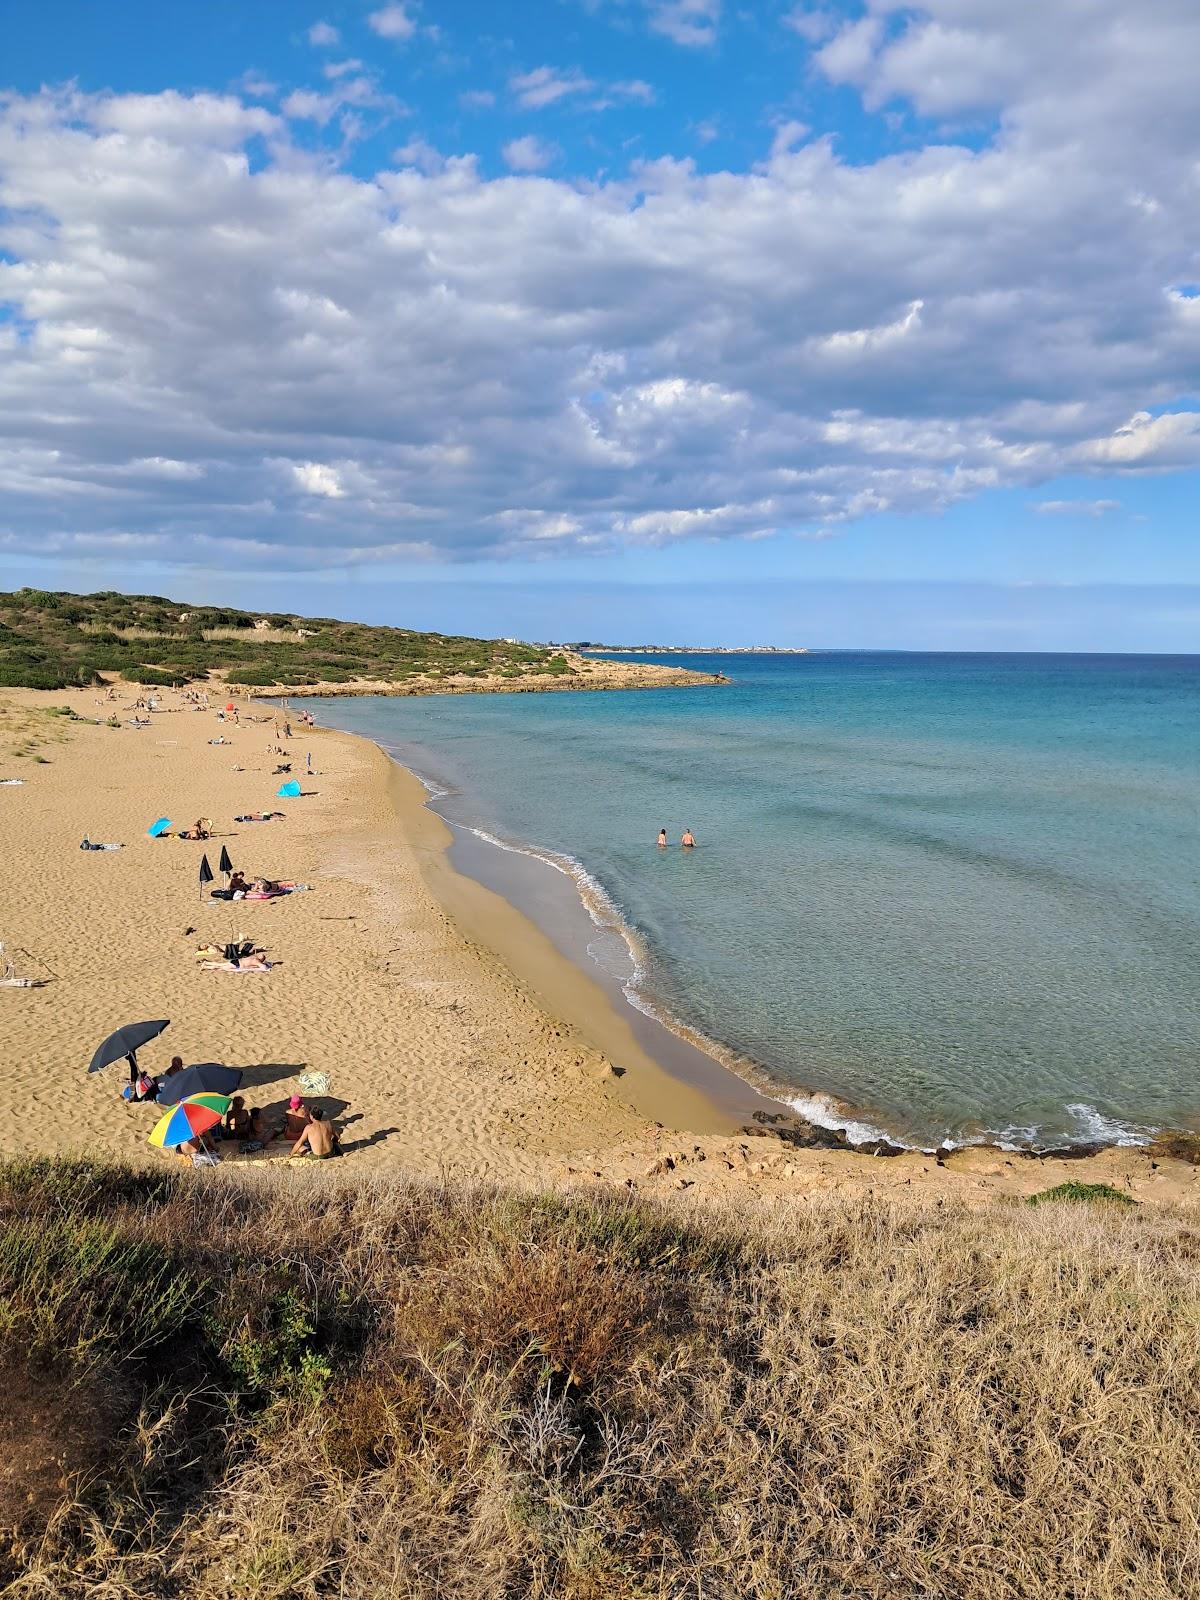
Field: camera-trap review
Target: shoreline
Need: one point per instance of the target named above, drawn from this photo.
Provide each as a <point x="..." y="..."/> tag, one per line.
<point x="851" y="1128"/>
<point x="457" y="1038"/>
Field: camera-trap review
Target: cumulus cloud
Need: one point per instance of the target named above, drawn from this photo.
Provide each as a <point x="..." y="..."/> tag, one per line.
<point x="392" y="22"/>
<point x="323" y="35"/>
<point x="215" y="340"/>
<point x="528" y="154"/>
<point x="692" y="23"/>
<point x="320" y="480"/>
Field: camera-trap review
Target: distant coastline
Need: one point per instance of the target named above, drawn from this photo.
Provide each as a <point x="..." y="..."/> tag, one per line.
<point x="588" y="649"/>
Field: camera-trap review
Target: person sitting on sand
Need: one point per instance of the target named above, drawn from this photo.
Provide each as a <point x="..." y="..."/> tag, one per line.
<point x="297" y="1119"/>
<point x="262" y="1130"/>
<point x="662" y="838"/>
<point x="688" y="842"/>
<point x="238" y="1124"/>
<point x="237" y="883"/>
<point x="318" y="1137"/>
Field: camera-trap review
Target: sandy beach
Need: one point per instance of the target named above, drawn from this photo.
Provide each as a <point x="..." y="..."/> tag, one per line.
<point x="454" y="1036"/>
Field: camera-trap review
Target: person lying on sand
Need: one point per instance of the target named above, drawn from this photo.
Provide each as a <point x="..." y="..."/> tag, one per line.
<point x="255" y="963"/>
<point x="319" y="1138"/>
<point x="259" y="816"/>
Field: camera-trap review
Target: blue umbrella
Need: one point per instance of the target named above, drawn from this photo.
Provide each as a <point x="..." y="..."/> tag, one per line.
<point x="158" y="827"/>
<point x="290" y="790"/>
<point x="126" y="1042"/>
<point x="209" y="1077"/>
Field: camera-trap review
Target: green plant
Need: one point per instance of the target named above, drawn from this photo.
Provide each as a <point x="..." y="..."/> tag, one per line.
<point x="1086" y="1193"/>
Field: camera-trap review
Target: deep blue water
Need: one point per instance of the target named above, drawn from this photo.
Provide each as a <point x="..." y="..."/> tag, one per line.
<point x="955" y="895"/>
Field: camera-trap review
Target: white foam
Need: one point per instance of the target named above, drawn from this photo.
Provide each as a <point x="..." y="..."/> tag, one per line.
<point x="824" y="1112"/>
<point x="1100" y="1129"/>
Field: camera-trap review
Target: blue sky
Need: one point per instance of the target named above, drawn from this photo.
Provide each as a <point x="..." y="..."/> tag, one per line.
<point x="829" y="323"/>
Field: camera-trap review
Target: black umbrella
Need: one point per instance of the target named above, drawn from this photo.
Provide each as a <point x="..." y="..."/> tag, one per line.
<point x="206" y="874"/>
<point x="209" y="1077"/>
<point x="127" y="1042"/>
<point x="225" y="866"/>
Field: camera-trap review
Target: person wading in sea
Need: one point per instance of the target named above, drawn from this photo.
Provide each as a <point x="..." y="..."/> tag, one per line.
<point x="662" y="838"/>
<point x="688" y="842"/>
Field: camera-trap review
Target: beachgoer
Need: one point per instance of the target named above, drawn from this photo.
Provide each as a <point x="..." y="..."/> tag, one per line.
<point x="688" y="842"/>
<point x="308" y="759"/>
<point x="297" y="1119"/>
<point x="662" y="838"/>
<point x="318" y="1136"/>
<point x="261" y="1131"/>
<point x="238" y="1124"/>
<point x="237" y="883"/>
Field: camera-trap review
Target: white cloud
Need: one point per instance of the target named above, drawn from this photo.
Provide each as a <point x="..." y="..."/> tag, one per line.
<point x="811" y="23"/>
<point x="203" y="311"/>
<point x="323" y="35"/>
<point x="319" y="480"/>
<point x="544" y="85"/>
<point x="392" y="22"/>
<point x="341" y="69"/>
<point x="1076" y="508"/>
<point x="528" y="154"/>
<point x="476" y="99"/>
<point x="692" y="23"/>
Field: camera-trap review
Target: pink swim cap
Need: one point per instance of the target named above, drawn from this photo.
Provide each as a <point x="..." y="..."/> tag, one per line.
<point x="295" y="1102"/>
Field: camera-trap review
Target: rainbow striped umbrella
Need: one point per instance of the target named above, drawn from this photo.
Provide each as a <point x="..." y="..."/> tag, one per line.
<point x="196" y="1114"/>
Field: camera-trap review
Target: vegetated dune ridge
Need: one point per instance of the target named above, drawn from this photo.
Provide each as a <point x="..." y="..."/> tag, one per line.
<point x="316" y="1383"/>
<point x="455" y="1038"/>
<point x="54" y="640"/>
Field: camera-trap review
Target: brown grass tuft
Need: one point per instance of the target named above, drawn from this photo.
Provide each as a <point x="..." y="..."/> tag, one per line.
<point x="446" y="1392"/>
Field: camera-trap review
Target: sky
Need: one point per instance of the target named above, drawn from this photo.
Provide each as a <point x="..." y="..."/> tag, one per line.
<point x="863" y="324"/>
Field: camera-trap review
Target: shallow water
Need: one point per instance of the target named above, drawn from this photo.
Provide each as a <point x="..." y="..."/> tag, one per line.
<point x="941" y="896"/>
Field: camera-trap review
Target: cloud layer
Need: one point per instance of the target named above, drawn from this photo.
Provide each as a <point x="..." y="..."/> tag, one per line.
<point x="220" y="346"/>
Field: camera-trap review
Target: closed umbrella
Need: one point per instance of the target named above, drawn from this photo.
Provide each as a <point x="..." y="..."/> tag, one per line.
<point x="184" y="1122"/>
<point x="207" y="1077"/>
<point x="225" y="865"/>
<point x="206" y="874"/>
<point x="127" y="1041"/>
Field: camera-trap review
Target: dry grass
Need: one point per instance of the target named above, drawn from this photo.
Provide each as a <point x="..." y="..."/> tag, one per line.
<point x="101" y="628"/>
<point x="27" y="731"/>
<point x="317" y="1387"/>
<point x="255" y="635"/>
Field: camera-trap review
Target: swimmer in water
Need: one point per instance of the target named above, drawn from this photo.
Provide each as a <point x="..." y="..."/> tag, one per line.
<point x="662" y="838"/>
<point x="687" y="841"/>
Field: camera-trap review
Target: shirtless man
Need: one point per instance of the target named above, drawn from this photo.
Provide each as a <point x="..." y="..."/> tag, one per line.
<point x="688" y="842"/>
<point x="318" y="1137"/>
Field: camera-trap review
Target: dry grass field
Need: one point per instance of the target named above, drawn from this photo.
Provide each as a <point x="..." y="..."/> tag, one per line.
<point x="307" y="1386"/>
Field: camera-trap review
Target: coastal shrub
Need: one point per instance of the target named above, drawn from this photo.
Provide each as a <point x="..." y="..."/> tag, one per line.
<point x="80" y="635"/>
<point x="1085" y="1193"/>
<point x="440" y="1390"/>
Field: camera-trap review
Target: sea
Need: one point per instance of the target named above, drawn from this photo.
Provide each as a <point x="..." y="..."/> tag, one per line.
<point x="938" y="898"/>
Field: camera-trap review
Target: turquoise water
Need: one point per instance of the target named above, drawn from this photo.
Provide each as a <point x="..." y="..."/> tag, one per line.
<point x="942" y="896"/>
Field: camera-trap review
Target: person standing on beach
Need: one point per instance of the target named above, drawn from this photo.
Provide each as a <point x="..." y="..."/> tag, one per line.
<point x="688" y="842"/>
<point x="662" y="838"/>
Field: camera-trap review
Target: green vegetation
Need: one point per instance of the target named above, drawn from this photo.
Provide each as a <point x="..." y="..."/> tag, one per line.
<point x="236" y="1386"/>
<point x="56" y="641"/>
<point x="1085" y="1193"/>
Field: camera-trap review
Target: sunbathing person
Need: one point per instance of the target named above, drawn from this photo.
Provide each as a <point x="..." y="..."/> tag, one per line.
<point x="259" y="816"/>
<point x="237" y="883"/>
<point x="319" y="1138"/>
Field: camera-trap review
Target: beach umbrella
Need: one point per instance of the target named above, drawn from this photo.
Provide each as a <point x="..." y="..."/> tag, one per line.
<point x="225" y="866"/>
<point x="158" y="827"/>
<point x="290" y="790"/>
<point x="185" y="1121"/>
<point x="207" y="1077"/>
<point x="206" y="874"/>
<point x="127" y="1041"/>
<point x="229" y="705"/>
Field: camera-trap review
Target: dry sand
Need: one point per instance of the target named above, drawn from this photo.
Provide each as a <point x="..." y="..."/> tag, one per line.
<point x="455" y="1037"/>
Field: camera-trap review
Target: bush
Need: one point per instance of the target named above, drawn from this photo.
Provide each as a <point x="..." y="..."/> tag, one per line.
<point x="1085" y="1193"/>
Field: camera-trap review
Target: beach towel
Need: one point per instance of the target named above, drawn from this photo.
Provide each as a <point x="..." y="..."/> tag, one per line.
<point x="87" y="844"/>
